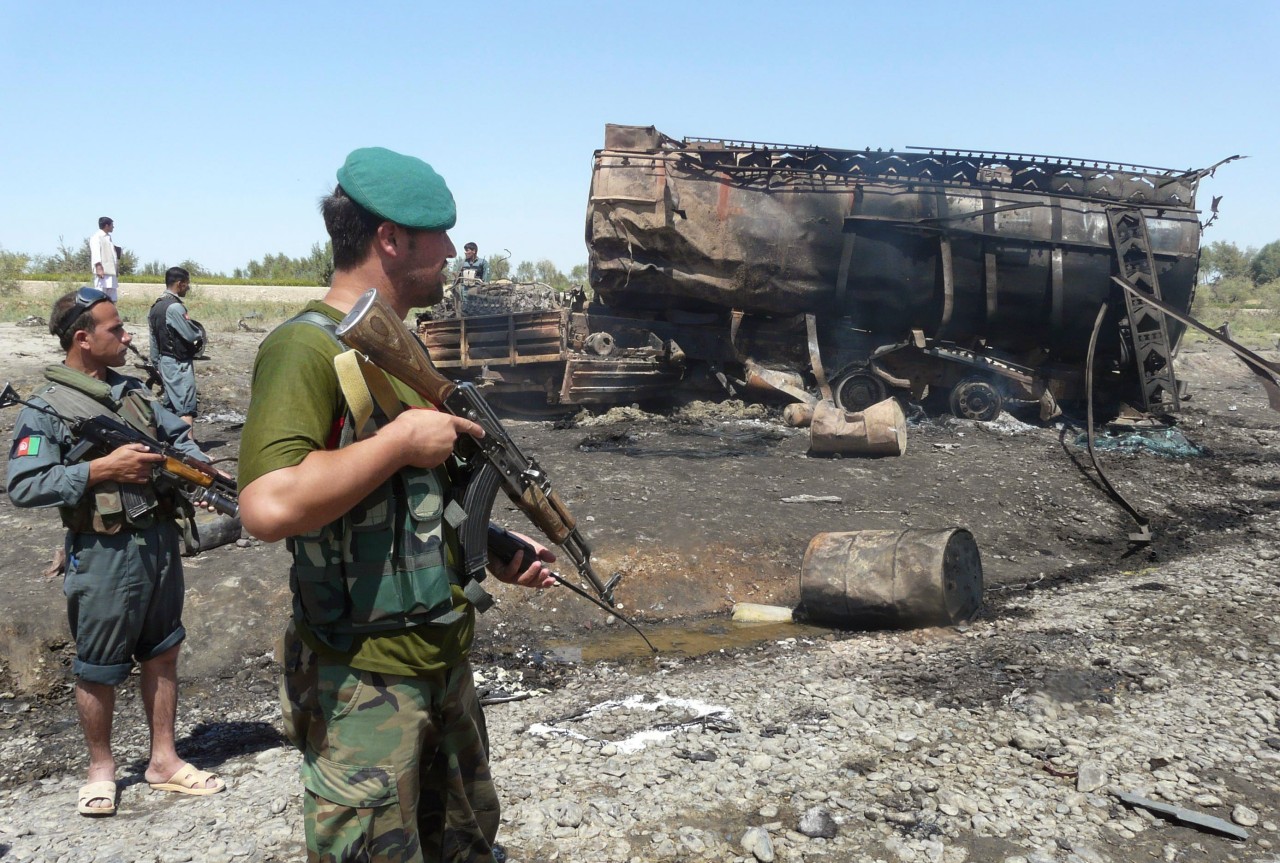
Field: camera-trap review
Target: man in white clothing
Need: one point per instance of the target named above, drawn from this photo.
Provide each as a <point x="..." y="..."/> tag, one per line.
<point x="103" y="253"/>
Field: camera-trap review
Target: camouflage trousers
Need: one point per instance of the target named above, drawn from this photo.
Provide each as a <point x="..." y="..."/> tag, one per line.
<point x="395" y="769"/>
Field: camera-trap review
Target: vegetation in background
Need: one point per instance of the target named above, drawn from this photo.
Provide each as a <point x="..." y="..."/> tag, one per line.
<point x="12" y="265"/>
<point x="218" y="314"/>
<point x="71" y="263"/>
<point x="74" y="261"/>
<point x="315" y="269"/>
<point x="498" y="267"/>
<point x="1239" y="287"/>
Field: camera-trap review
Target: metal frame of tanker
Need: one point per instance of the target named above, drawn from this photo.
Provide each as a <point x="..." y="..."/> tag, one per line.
<point x="975" y="210"/>
<point x="975" y="377"/>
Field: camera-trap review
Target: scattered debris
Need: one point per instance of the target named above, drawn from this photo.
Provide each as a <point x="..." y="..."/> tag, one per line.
<point x="1184" y="816"/>
<point x="1167" y="442"/>
<point x="750" y="612"/>
<point x="669" y="716"/>
<point x="881" y="429"/>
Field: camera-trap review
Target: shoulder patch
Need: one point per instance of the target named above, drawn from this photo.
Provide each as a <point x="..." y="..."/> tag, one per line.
<point x="29" y="445"/>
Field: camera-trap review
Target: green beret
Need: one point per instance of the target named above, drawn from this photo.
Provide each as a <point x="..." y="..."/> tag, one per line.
<point x="401" y="189"/>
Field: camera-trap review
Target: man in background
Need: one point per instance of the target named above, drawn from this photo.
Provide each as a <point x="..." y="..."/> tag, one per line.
<point x="176" y="341"/>
<point x="104" y="255"/>
<point x="471" y="266"/>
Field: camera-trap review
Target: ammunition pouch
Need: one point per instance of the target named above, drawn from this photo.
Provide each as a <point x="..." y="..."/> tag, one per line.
<point x="385" y="565"/>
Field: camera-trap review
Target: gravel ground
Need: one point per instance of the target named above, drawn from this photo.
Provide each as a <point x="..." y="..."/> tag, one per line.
<point x="1094" y="667"/>
<point x="1004" y="740"/>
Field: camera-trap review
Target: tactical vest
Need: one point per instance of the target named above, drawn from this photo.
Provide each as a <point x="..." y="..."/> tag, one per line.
<point x="77" y="396"/>
<point x="382" y="566"/>
<point x="167" y="342"/>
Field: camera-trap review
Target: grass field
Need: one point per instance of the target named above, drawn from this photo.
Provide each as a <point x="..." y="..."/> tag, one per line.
<point x="219" y="308"/>
<point x="1253" y="328"/>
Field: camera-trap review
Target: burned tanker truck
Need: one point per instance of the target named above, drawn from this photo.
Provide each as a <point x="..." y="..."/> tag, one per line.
<point x="970" y="280"/>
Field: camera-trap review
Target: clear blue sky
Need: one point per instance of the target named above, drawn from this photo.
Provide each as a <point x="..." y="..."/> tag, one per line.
<point x="209" y="131"/>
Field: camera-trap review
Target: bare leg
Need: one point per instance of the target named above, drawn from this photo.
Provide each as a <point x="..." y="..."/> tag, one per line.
<point x="160" y="700"/>
<point x="191" y="421"/>
<point x="96" y="703"/>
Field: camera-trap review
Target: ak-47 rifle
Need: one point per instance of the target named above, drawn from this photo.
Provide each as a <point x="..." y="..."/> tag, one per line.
<point x="153" y="374"/>
<point x="375" y="330"/>
<point x="195" y="480"/>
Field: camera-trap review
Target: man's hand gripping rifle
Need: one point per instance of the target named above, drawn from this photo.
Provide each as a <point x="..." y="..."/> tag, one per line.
<point x="375" y="330"/>
<point x="200" y="483"/>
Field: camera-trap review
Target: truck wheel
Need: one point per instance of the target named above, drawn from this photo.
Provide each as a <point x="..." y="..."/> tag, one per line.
<point x="976" y="399"/>
<point x="859" y="391"/>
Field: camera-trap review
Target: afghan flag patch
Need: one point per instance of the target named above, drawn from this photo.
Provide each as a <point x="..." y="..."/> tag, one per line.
<point x="29" y="445"/>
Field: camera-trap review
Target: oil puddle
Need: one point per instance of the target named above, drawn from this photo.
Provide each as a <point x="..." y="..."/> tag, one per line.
<point x="686" y="639"/>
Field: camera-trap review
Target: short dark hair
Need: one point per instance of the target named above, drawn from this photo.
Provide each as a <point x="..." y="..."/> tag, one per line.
<point x="351" y="228"/>
<point x="173" y="275"/>
<point x="471" y="247"/>
<point x="103" y="221"/>
<point x="61" y="306"/>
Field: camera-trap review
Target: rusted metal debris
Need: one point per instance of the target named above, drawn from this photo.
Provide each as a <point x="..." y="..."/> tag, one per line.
<point x="880" y="430"/>
<point x="891" y="578"/>
<point x="798" y="273"/>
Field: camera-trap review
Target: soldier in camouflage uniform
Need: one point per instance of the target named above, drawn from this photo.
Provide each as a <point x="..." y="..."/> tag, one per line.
<point x="377" y="689"/>
<point x="124" y="575"/>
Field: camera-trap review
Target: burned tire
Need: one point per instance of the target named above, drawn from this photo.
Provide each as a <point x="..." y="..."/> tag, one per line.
<point x="858" y="391"/>
<point x="976" y="399"/>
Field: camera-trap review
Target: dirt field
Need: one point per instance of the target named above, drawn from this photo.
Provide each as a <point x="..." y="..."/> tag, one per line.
<point x="698" y="511"/>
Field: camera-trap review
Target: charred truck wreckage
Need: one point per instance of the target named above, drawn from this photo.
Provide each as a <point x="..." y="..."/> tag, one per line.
<point x="970" y="279"/>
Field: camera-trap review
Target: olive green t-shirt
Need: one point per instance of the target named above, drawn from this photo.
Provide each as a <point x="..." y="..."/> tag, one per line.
<point x="296" y="407"/>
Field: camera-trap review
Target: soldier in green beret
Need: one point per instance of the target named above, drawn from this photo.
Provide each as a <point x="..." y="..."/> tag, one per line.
<point x="377" y="690"/>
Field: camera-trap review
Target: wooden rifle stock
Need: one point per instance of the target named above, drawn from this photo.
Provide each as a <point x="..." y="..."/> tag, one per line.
<point x="373" y="328"/>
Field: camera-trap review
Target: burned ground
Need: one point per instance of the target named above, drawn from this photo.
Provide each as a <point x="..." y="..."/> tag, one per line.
<point x="707" y="507"/>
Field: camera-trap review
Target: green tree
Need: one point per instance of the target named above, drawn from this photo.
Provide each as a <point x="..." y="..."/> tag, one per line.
<point x="547" y="273"/>
<point x="524" y="272"/>
<point x="68" y="260"/>
<point x="76" y="261"/>
<point x="1235" y="291"/>
<point x="12" y="266"/>
<point x="314" y="269"/>
<point x="497" y="267"/>
<point x="126" y="263"/>
<point x="579" y="274"/>
<point x="1221" y="260"/>
<point x="1265" y="266"/>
